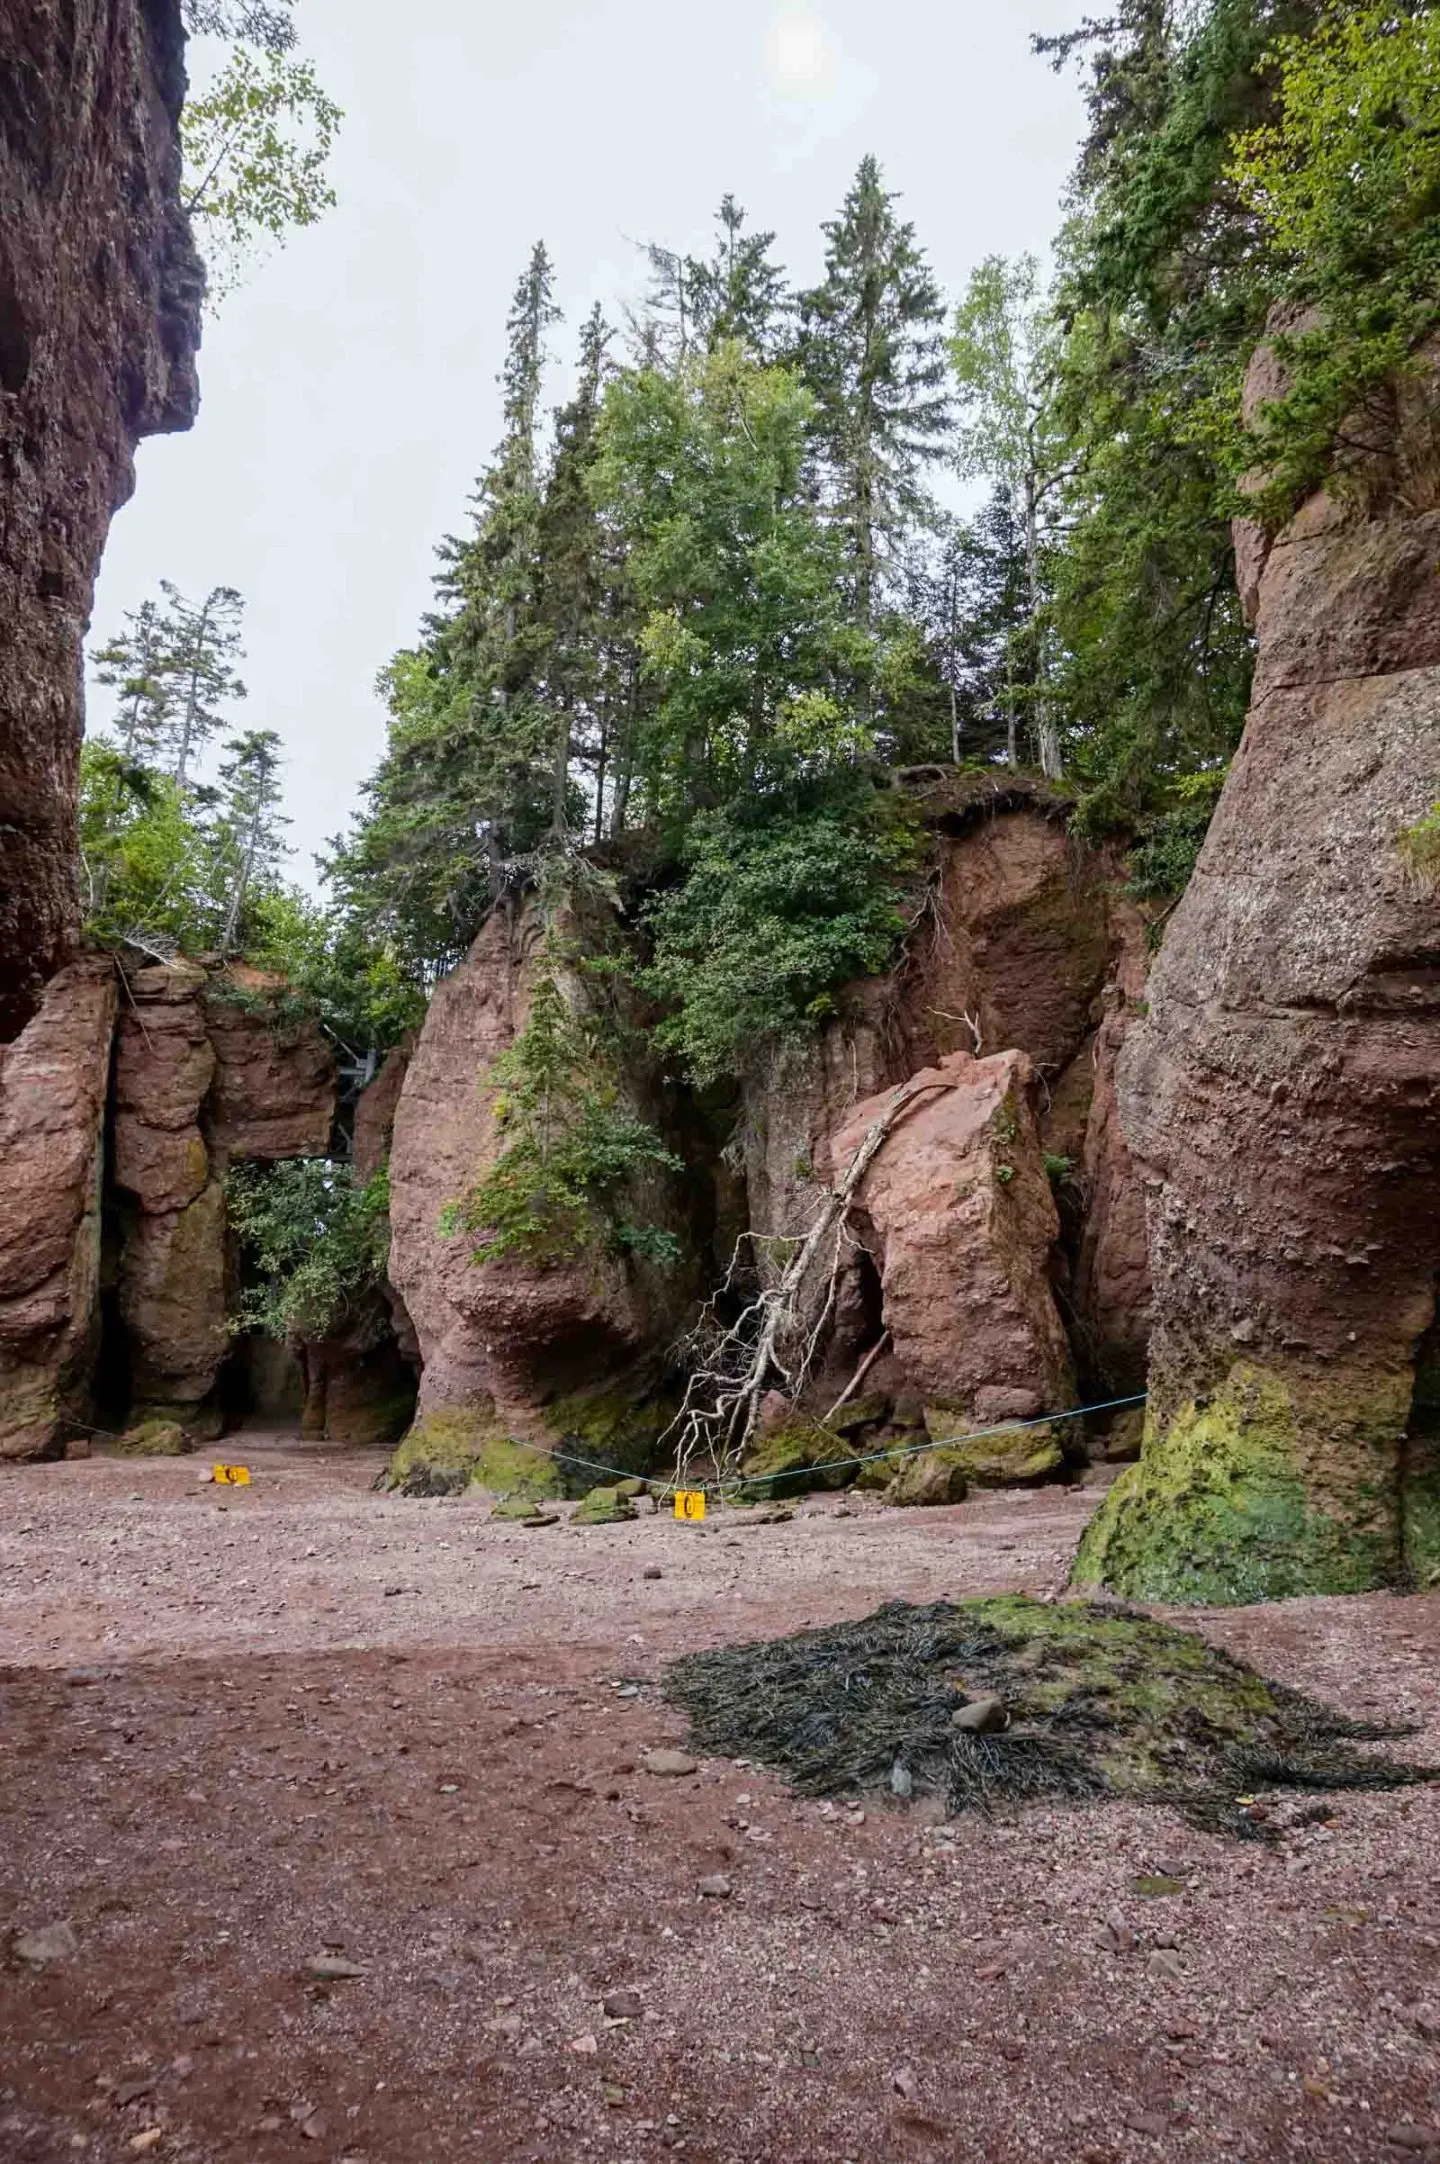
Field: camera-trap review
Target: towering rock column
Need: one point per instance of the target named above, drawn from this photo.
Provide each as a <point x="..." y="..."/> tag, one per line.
<point x="99" y="321"/>
<point x="1284" y="1099"/>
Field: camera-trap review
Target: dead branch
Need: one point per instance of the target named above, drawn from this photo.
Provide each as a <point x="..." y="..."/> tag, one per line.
<point x="735" y="1365"/>
<point x="881" y="1345"/>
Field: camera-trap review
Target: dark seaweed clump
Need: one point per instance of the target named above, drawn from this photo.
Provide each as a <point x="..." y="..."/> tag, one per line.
<point x="1103" y="1703"/>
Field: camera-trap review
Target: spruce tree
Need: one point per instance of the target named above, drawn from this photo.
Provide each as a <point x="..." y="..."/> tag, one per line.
<point x="200" y="647"/>
<point x="872" y="351"/>
<point x="135" y="665"/>
<point x="739" y="292"/>
<point x="248" y="837"/>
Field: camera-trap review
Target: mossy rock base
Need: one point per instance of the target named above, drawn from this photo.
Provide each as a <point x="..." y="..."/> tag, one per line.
<point x="154" y="1439"/>
<point x="607" y="1431"/>
<point x="458" y="1448"/>
<point x="795" y="1459"/>
<point x="1102" y="1704"/>
<point x="1269" y="1491"/>
<point x="1018" y="1457"/>
<point x="869" y="1412"/>
<point x="604" y="1506"/>
<point x="927" y="1479"/>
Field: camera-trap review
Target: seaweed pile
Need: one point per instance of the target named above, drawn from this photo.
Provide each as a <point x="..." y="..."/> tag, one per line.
<point x="1102" y="1702"/>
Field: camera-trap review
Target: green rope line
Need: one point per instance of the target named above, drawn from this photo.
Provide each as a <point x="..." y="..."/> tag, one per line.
<point x="876" y="1457"/>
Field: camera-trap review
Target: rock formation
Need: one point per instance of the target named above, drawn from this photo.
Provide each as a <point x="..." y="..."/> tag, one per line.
<point x="505" y="1338"/>
<point x="957" y="1217"/>
<point x="1027" y="943"/>
<point x="99" y="321"/>
<point x="1284" y="1098"/>
<point x="52" y="1109"/>
<point x="206" y="1072"/>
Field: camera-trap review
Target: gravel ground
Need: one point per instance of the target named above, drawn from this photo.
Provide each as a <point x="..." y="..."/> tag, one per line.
<point x="254" y="1736"/>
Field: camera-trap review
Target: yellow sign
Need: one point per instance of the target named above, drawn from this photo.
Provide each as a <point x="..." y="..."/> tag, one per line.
<point x="231" y="1476"/>
<point x="690" y="1503"/>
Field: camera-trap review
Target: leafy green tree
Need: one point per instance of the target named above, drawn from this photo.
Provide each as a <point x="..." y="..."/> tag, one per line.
<point x="703" y="469"/>
<point x="144" y="861"/>
<point x="316" y="1241"/>
<point x="873" y="354"/>
<point x="1004" y="350"/>
<point x="256" y="146"/>
<point x="1344" y="181"/>
<point x="248" y="839"/>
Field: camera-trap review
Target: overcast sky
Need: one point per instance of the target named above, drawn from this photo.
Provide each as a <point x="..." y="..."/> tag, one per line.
<point x="349" y="392"/>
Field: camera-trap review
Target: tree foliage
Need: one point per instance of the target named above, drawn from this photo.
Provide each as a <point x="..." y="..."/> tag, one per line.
<point x="315" y="1240"/>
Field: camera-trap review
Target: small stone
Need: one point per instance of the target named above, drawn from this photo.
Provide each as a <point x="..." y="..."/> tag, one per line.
<point x="1167" y="1965"/>
<point x="183" y="2067"/>
<point x="52" y="1942"/>
<point x="130" y="2092"/>
<point x="904" y="2084"/>
<point x="509" y="2026"/>
<point x="669" y="1765"/>
<point x="77" y="1678"/>
<point x="151" y="2138"/>
<point x="1408" y="2136"/>
<point x="585" y="2046"/>
<point x="1116" y="1936"/>
<point x="622" y="2005"/>
<point x="313" y="2128"/>
<point x="902" y="1782"/>
<point x="982" y="1717"/>
<point x="333" y="1968"/>
<point x="1153" y="2123"/>
<point x="652" y="1570"/>
<point x="714" y="1888"/>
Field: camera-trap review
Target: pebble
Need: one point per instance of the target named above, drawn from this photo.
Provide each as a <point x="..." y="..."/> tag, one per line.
<point x="52" y="1942"/>
<point x="586" y="2046"/>
<point x="1153" y="2123"/>
<point x="669" y="1765"/>
<point x="714" y="1888"/>
<point x="904" y="2084"/>
<point x="902" y="1782"/>
<point x="982" y="1717"/>
<point x="622" y="2005"/>
<point x="1166" y="1964"/>
<point x="151" y="2138"/>
<point x="652" y="1570"/>
<point x="1409" y="2136"/>
<point x="333" y="1968"/>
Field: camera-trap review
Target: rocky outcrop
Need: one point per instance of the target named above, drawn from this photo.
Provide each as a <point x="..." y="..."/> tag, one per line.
<point x="375" y="1110"/>
<point x="1027" y="943"/>
<point x="509" y="1336"/>
<point x="208" y="1071"/>
<point x="99" y="321"/>
<point x="53" y="1082"/>
<point x="359" y="1388"/>
<point x="957" y="1217"/>
<point x="1284" y="1098"/>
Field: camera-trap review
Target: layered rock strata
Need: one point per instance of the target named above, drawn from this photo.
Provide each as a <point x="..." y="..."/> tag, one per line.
<point x="99" y="321"/>
<point x="53" y="1082"/>
<point x="1284" y="1098"/>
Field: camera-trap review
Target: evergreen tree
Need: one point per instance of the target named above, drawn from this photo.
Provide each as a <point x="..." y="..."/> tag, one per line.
<point x="199" y="649"/>
<point x="739" y="292"/>
<point x="873" y="354"/>
<point x="248" y="839"/>
<point x="135" y="664"/>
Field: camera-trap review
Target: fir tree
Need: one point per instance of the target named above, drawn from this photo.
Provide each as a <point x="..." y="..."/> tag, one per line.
<point x="739" y="292"/>
<point x="199" y="648"/>
<point x="135" y="664"/>
<point x="249" y="842"/>
<point x="873" y="354"/>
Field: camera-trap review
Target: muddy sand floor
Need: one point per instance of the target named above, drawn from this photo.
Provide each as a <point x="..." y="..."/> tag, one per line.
<point x="252" y="1740"/>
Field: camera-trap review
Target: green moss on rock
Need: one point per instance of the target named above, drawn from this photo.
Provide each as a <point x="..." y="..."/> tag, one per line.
<point x="926" y="1479"/>
<point x="603" y="1506"/>
<point x="795" y="1458"/>
<point x="868" y="1412"/>
<point x="613" y="1431"/>
<point x="1018" y="1457"/>
<point x="154" y="1439"/>
<point x="459" y="1447"/>
<point x="1269" y="1491"/>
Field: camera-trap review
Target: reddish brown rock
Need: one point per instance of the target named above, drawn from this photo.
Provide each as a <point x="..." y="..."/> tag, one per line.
<point x="273" y="1095"/>
<point x="509" y="1334"/>
<point x="375" y="1110"/>
<point x="99" y="320"/>
<point x="358" y="1386"/>
<point x="957" y="1214"/>
<point x="201" y="1079"/>
<point x="1110" y="1289"/>
<point x="1284" y="1098"/>
<point x="53" y="1082"/>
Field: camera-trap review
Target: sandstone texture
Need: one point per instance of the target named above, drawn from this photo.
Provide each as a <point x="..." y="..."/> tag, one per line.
<point x="99" y="321"/>
<point x="508" y="1336"/>
<point x="53" y="1081"/>
<point x="1028" y="944"/>
<point x="1284" y="1097"/>
<point x="201" y="1079"/>
<point x="957" y="1217"/>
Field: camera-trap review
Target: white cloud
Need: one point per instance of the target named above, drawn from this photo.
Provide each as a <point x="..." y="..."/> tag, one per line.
<point x="800" y="58"/>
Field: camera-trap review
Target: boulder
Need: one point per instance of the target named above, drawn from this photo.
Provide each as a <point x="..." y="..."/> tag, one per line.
<point x="957" y="1215"/>
<point x="53" y="1082"/>
<point x="1283" y="1098"/>
<point x="100" y="293"/>
<point x="461" y="1447"/>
